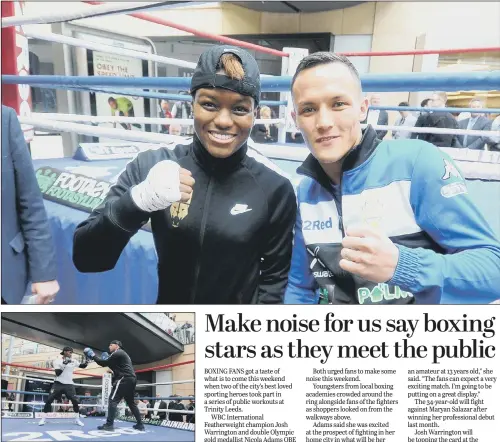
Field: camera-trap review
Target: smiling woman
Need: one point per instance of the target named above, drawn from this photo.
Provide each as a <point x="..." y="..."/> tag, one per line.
<point x="221" y="219"/>
<point x="223" y="118"/>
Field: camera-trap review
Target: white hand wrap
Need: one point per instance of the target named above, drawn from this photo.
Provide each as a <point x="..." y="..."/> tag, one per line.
<point x="160" y="189"/>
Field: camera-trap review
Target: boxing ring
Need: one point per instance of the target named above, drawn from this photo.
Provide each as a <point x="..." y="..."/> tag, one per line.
<point x="24" y="425"/>
<point x="137" y="284"/>
<point x="59" y="430"/>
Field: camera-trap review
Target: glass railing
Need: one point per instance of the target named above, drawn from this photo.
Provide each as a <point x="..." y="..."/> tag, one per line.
<point x="183" y="332"/>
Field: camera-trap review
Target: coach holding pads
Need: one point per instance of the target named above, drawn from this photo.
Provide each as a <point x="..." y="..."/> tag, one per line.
<point x="124" y="381"/>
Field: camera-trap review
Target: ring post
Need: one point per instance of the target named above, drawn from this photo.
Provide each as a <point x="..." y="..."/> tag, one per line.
<point x="288" y="67"/>
<point x="15" y="61"/>
<point x="106" y="391"/>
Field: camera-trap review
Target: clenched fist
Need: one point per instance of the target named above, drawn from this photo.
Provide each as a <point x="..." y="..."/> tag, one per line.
<point x="186" y="182"/>
<point x="369" y="254"/>
<point x="165" y="184"/>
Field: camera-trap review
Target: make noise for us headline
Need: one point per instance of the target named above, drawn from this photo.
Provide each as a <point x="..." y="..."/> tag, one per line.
<point x="472" y="338"/>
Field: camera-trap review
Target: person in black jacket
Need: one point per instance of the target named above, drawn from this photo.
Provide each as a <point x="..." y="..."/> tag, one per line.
<point x="378" y="117"/>
<point x="190" y="418"/>
<point x="123" y="382"/>
<point x="422" y="118"/>
<point x="443" y="120"/>
<point x="176" y="405"/>
<point x="265" y="133"/>
<point x="222" y="220"/>
<point x="159" y="404"/>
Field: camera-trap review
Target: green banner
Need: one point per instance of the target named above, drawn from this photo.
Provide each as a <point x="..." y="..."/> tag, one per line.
<point x="71" y="189"/>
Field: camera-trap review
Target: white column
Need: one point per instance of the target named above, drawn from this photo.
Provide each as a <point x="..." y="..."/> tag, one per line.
<point x="66" y="103"/>
<point x="106" y="391"/>
<point x="424" y="63"/>
<point x="288" y="68"/>
<point x="163" y="390"/>
<point x="9" y="354"/>
<point x="18" y="395"/>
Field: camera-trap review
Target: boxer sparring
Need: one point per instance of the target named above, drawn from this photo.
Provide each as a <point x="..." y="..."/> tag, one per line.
<point x="63" y="383"/>
<point x="123" y="382"/>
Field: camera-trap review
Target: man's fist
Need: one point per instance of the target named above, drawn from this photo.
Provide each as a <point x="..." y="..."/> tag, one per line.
<point x="45" y="291"/>
<point x="165" y="184"/>
<point x="369" y="253"/>
<point x="89" y="353"/>
<point x="104" y="355"/>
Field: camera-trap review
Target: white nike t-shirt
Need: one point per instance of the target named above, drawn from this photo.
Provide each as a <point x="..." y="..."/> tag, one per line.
<point x="66" y="377"/>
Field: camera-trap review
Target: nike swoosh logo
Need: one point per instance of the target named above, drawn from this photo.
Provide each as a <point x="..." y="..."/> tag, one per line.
<point x="236" y="211"/>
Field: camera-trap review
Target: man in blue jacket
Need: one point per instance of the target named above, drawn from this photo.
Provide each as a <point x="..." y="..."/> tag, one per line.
<point x="28" y="256"/>
<point x="379" y="222"/>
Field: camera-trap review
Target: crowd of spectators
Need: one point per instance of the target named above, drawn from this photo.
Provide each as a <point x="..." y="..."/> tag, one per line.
<point x="268" y="133"/>
<point x="428" y="118"/>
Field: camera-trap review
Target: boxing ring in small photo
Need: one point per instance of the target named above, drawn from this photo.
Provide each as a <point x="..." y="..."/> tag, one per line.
<point x="60" y="426"/>
<point x="137" y="284"/>
<point x="62" y="430"/>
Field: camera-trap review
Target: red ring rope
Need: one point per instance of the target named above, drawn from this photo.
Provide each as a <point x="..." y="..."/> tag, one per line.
<point x="420" y="52"/>
<point x="164" y="367"/>
<point x="152" y="19"/>
<point x="244" y="44"/>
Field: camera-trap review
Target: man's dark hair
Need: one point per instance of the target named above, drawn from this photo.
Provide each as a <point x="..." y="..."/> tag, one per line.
<point x="425" y="102"/>
<point x="110" y="99"/>
<point x="119" y="343"/>
<point x="404" y="103"/>
<point x="319" y="58"/>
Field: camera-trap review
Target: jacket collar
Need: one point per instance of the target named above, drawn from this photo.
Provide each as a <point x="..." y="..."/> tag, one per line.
<point x="212" y="164"/>
<point x="357" y="156"/>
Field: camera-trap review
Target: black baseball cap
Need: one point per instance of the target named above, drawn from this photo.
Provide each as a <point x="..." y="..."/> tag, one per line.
<point x="66" y="349"/>
<point x="205" y="75"/>
<point x="119" y="343"/>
